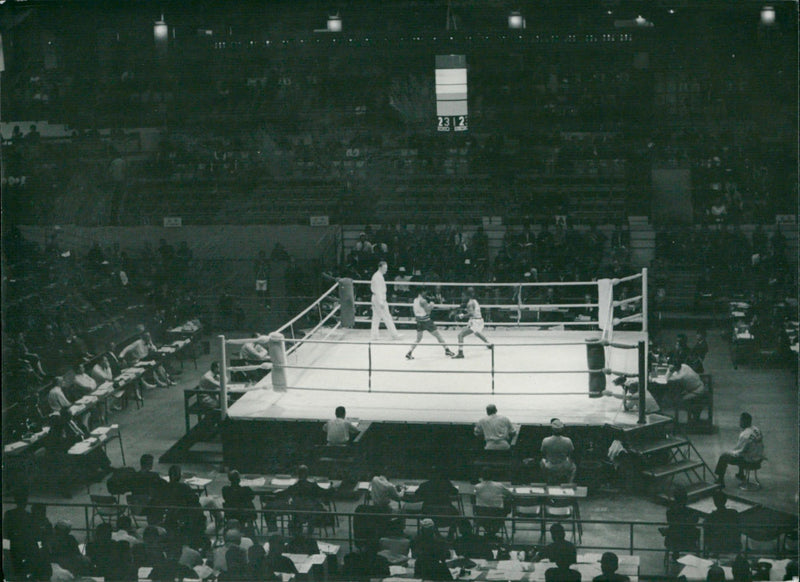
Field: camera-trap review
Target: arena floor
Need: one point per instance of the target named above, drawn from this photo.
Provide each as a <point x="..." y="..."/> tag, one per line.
<point x="532" y="383"/>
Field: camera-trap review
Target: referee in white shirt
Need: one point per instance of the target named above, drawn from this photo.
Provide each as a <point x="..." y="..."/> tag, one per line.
<point x="380" y="307"/>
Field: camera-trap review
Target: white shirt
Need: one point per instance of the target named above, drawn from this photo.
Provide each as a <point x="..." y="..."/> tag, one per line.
<point x="378" y="287"/>
<point x="474" y="309"/>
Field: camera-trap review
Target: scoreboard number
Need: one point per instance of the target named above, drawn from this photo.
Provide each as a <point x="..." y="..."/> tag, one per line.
<point x="453" y="123"/>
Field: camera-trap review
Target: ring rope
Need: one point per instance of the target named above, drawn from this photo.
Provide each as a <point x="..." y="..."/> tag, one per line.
<point x="625" y="279"/>
<point x="364" y="319"/>
<point x="514" y="345"/>
<point x="509" y="306"/>
<point x="453" y="284"/>
<point x="316" y="327"/>
<point x="331" y="368"/>
<point x="628" y="300"/>
<point x="367" y="391"/>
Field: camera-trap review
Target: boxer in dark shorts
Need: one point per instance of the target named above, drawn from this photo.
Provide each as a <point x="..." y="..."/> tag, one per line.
<point x="422" y="313"/>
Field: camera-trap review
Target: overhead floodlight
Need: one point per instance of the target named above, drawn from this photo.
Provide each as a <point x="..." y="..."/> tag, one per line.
<point x="768" y="16"/>
<point x="334" y="23"/>
<point x="515" y="20"/>
<point x="160" y="30"/>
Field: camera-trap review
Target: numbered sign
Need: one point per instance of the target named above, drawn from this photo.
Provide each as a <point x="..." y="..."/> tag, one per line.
<point x="451" y="92"/>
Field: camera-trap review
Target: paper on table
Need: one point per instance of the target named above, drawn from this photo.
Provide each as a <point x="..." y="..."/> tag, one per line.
<point x="505" y="575"/>
<point x="144" y="573"/>
<point x="398" y="570"/>
<point x="694" y="561"/>
<point x="560" y="491"/>
<point x="480" y="562"/>
<point x="327" y="548"/>
<point x="510" y="565"/>
<point x="411" y="488"/>
<point x="363" y="486"/>
<point x="694" y="573"/>
<point x="197" y="481"/>
<point x="258" y="482"/>
<point x="283" y="481"/>
<point x="203" y="571"/>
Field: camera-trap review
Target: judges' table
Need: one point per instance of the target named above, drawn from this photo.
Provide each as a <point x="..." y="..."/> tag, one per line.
<point x="514" y="569"/>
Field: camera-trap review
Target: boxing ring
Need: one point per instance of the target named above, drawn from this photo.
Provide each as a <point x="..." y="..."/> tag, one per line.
<point x="547" y="359"/>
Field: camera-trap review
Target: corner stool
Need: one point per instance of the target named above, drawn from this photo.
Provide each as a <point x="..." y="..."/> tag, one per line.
<point x="750" y="471"/>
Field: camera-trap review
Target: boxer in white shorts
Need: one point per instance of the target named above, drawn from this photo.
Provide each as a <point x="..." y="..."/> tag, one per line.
<point x="474" y="325"/>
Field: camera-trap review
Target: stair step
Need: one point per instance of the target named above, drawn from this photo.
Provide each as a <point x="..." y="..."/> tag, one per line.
<point x="694" y="491"/>
<point x="672" y="468"/>
<point x="658" y="445"/>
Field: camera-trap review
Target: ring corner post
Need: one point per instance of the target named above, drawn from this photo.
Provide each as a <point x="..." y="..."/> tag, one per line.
<point x="223" y="379"/>
<point x="347" y="302"/>
<point x="642" y="383"/>
<point x="277" y="353"/>
<point x="644" y="300"/>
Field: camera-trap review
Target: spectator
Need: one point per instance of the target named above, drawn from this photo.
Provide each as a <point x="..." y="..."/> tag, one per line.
<point x="101" y="550"/>
<point x="339" y="429"/>
<point x="686" y="388"/>
<point x="682" y="533"/>
<point x="383" y="492"/>
<point x="238" y="500"/>
<point x="562" y="572"/>
<point x="721" y="527"/>
<point x="749" y="449"/>
<point x="305" y="495"/>
<point x="609" y="563"/>
<point x="493" y="500"/>
<point x="698" y="352"/>
<point x="101" y="371"/>
<point x="183" y="514"/>
<point x="210" y="382"/>
<point x="559" y="548"/>
<point x="63" y="550"/>
<point x="557" y="453"/>
<point x="254" y="350"/>
<point x="276" y="561"/>
<point x="19" y="530"/>
<point x="40" y="525"/>
<point x="56" y="397"/>
<point x="233" y="539"/>
<point x="430" y="551"/>
<point x="146" y="481"/>
<point x="365" y="563"/>
<point x="715" y="574"/>
<point x="125" y="532"/>
<point x="437" y="495"/>
<point x="741" y="569"/>
<point x="496" y="429"/>
<point x="83" y="382"/>
<point x="301" y="543"/>
<point x="471" y="545"/>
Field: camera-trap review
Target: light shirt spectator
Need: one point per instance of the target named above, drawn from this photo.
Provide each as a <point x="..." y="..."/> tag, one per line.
<point x="85" y="382"/>
<point x="339" y="431"/>
<point x="382" y="491"/>
<point x="57" y="400"/>
<point x="491" y="494"/>
<point x="253" y="351"/>
<point x="497" y="430"/>
<point x="101" y="372"/>
<point x="557" y="450"/>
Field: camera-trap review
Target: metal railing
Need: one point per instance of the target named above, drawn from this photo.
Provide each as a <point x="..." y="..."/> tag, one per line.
<point x="632" y="537"/>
